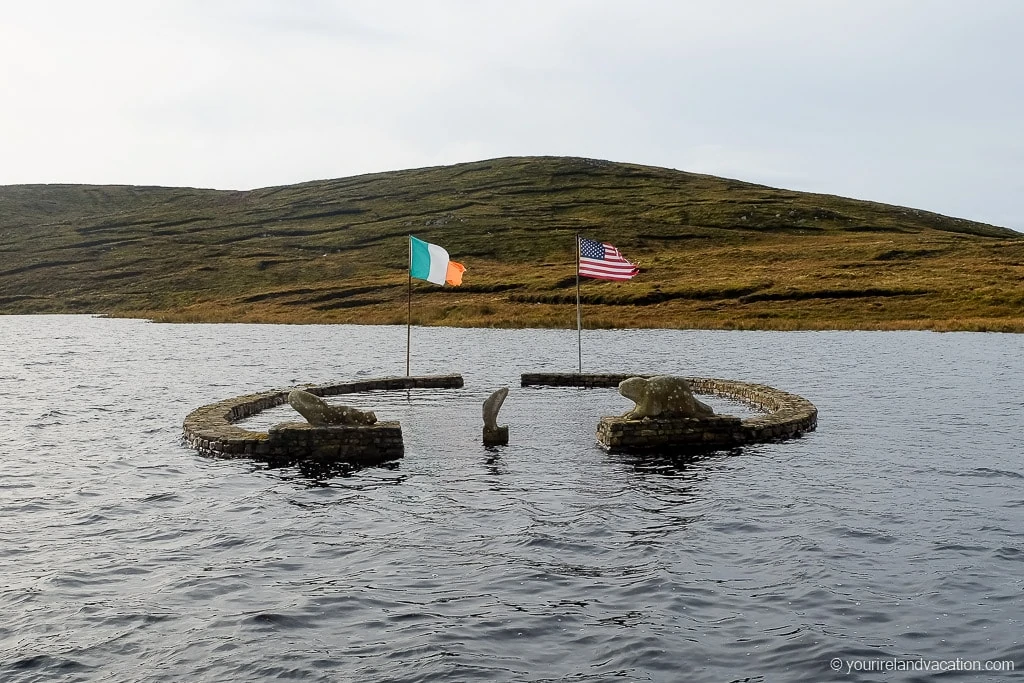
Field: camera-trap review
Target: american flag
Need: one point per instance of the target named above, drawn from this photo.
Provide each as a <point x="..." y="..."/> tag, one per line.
<point x="602" y="261"/>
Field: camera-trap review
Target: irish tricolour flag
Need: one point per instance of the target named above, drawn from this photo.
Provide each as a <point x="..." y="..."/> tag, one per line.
<point x="431" y="263"/>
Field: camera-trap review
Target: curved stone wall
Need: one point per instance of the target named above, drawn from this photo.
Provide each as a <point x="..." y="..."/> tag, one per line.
<point x="210" y="429"/>
<point x="786" y="415"/>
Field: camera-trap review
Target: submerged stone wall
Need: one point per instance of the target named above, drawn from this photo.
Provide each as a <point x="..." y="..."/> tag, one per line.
<point x="210" y="429"/>
<point x="572" y="379"/>
<point x="786" y="416"/>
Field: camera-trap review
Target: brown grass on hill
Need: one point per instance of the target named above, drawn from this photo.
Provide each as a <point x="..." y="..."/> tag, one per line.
<point x="714" y="253"/>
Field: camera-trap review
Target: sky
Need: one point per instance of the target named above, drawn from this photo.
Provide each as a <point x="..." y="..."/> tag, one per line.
<point x="912" y="102"/>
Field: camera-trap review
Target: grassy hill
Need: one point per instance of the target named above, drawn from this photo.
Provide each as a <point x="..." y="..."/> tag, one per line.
<point x="714" y="253"/>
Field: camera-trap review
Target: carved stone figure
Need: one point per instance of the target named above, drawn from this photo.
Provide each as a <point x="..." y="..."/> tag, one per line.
<point x="493" y="434"/>
<point x="662" y="396"/>
<point x="320" y="413"/>
<point x="491" y="407"/>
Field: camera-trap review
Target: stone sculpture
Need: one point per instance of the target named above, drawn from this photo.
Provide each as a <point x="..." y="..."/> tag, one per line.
<point x="662" y="396"/>
<point x="320" y="413"/>
<point x="493" y="434"/>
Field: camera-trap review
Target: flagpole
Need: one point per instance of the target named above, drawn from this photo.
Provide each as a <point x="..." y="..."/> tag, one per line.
<point x="408" y="321"/>
<point x="579" y="319"/>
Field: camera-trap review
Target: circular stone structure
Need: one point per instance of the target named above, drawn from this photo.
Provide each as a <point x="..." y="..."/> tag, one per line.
<point x="786" y="416"/>
<point x="210" y="429"/>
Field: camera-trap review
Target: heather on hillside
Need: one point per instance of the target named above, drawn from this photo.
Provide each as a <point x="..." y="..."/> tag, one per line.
<point x="713" y="252"/>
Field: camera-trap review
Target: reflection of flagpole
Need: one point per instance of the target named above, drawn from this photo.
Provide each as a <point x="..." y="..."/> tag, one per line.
<point x="579" y="319"/>
<point x="408" y="323"/>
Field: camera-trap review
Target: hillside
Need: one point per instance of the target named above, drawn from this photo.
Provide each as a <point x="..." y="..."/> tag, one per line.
<point x="714" y="253"/>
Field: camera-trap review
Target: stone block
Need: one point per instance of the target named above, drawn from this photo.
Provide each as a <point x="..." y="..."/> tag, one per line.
<point x="355" y="444"/>
<point x="651" y="435"/>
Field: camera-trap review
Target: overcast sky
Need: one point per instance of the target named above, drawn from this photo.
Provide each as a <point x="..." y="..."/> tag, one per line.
<point x="912" y="102"/>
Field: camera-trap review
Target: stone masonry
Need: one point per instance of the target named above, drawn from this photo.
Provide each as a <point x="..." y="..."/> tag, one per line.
<point x="786" y="416"/>
<point x="210" y="429"/>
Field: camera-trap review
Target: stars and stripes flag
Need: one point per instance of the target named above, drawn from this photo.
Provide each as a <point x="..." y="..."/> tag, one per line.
<point x="602" y="261"/>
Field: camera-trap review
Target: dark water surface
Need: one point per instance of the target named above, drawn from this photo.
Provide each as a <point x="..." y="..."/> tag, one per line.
<point x="895" y="532"/>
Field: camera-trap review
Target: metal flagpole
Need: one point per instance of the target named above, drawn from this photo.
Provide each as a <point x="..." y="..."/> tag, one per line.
<point x="579" y="319"/>
<point x="408" y="322"/>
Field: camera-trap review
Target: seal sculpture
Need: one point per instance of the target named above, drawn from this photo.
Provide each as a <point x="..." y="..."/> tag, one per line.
<point x="493" y="434"/>
<point x="780" y="415"/>
<point x="662" y="396"/>
<point x="320" y="413"/>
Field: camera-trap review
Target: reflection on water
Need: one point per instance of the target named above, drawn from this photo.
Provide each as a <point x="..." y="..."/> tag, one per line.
<point x="894" y="530"/>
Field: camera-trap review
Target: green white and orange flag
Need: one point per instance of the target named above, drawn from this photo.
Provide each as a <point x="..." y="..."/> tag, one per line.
<point x="431" y="263"/>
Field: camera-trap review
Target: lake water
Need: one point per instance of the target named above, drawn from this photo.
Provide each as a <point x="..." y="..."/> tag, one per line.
<point x="894" y="533"/>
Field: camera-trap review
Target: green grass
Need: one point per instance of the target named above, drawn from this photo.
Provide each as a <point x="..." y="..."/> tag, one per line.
<point x="714" y="253"/>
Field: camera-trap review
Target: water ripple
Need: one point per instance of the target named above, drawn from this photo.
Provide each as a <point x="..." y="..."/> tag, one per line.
<point x="892" y="531"/>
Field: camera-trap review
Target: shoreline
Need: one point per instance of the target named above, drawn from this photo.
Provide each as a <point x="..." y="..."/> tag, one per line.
<point x="974" y="325"/>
